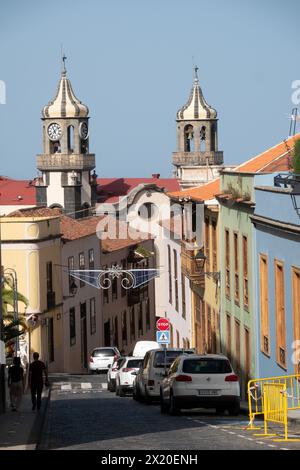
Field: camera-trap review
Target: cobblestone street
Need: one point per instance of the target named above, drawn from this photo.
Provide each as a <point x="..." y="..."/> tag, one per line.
<point x="82" y="414"/>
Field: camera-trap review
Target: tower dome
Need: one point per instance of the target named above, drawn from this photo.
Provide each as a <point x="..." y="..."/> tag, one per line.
<point x="196" y="106"/>
<point x="65" y="104"/>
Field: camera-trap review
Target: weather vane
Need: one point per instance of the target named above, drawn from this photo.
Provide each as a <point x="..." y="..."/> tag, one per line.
<point x="63" y="59"/>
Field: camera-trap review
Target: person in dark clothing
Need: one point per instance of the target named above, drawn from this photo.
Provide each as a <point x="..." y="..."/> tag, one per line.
<point x="36" y="371"/>
<point x="16" y="383"/>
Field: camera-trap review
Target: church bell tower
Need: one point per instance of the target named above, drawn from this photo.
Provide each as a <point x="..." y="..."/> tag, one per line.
<point x="66" y="164"/>
<point x="197" y="159"/>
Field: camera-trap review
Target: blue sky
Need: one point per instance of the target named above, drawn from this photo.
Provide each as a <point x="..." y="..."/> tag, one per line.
<point x="131" y="63"/>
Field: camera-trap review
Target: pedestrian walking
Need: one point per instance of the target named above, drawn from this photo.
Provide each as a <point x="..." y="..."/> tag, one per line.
<point x="16" y="383"/>
<point x="36" y="371"/>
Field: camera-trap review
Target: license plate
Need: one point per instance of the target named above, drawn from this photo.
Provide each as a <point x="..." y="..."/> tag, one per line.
<point x="209" y="393"/>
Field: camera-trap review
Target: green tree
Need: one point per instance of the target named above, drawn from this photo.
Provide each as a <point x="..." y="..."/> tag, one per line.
<point x="12" y="327"/>
<point x="296" y="157"/>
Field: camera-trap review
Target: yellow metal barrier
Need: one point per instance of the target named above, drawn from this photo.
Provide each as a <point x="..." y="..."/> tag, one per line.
<point x="272" y="398"/>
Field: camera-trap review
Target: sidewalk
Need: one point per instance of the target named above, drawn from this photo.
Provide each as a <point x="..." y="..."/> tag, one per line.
<point x="21" y="430"/>
<point x="293" y="415"/>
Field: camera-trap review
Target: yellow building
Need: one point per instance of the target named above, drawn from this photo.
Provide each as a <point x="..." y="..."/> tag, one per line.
<point x="204" y="279"/>
<point x="32" y="247"/>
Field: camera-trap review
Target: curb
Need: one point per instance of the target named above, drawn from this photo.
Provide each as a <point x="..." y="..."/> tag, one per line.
<point x="36" y="431"/>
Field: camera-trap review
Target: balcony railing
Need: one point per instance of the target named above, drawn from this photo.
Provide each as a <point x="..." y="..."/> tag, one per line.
<point x="133" y="297"/>
<point x="190" y="266"/>
<point x="59" y="161"/>
<point x="50" y="300"/>
<point x="197" y="158"/>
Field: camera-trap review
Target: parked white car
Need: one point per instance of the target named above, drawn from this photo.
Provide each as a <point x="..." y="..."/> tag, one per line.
<point x="204" y="381"/>
<point x="148" y="379"/>
<point x="125" y="376"/>
<point x="111" y="374"/>
<point x="102" y="358"/>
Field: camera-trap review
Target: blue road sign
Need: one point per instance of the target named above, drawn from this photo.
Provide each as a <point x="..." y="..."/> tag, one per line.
<point x="163" y="337"/>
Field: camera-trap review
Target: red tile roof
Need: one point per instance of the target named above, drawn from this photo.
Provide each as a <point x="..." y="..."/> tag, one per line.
<point x="269" y="158"/>
<point x="74" y="229"/>
<point x="276" y="158"/>
<point x="36" y="212"/>
<point x="22" y="192"/>
<point x="16" y="192"/>
<point x="110" y="189"/>
<point x="201" y="193"/>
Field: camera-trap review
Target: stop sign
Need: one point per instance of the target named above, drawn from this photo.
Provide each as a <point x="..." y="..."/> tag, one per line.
<point x="163" y="324"/>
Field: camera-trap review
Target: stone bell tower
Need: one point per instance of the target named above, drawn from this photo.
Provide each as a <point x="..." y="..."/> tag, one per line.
<point x="66" y="163"/>
<point x="197" y="159"/>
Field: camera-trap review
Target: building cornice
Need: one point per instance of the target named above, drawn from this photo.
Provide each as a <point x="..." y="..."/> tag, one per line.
<point x="282" y="226"/>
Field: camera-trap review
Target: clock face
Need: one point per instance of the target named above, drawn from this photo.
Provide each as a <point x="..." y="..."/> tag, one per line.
<point x="83" y="130"/>
<point x="54" y="131"/>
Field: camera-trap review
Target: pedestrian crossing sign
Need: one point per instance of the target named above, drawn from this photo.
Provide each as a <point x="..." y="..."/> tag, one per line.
<point x="163" y="337"/>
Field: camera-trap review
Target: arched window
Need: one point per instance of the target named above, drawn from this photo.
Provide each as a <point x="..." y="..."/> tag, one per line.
<point x="148" y="211"/>
<point x="202" y="138"/>
<point x="213" y="137"/>
<point x="71" y="139"/>
<point x="55" y="147"/>
<point x="189" y="138"/>
<point x="85" y="209"/>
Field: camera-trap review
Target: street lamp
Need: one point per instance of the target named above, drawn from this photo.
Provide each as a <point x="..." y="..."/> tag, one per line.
<point x="200" y="259"/>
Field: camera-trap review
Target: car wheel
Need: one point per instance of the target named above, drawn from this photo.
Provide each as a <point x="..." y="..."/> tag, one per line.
<point x="173" y="408"/>
<point x="92" y="372"/>
<point x="220" y="410"/>
<point x="234" y="409"/>
<point x="163" y="406"/>
<point x="109" y="386"/>
<point x="121" y="392"/>
<point x="117" y="390"/>
<point x="148" y="399"/>
<point x="137" y="394"/>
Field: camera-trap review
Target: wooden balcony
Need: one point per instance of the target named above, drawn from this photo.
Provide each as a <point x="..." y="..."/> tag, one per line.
<point x="133" y="297"/>
<point x="191" y="267"/>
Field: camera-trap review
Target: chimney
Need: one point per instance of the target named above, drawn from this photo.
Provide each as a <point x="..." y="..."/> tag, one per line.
<point x="156" y="175"/>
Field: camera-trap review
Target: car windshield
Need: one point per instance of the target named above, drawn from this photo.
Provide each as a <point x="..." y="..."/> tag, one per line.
<point x="134" y="363"/>
<point x="103" y="352"/>
<point x="159" y="359"/>
<point x="206" y="366"/>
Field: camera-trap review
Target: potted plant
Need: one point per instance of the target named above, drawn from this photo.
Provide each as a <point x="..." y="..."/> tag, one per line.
<point x="296" y="159"/>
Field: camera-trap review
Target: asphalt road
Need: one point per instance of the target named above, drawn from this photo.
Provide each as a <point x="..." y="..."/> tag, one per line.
<point x="82" y="414"/>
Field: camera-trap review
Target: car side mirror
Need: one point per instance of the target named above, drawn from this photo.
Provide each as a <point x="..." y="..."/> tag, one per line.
<point x="109" y="366"/>
<point x="134" y="373"/>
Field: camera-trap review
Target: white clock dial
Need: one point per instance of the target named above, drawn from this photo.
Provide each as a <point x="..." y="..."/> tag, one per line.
<point x="54" y="131"/>
<point x="83" y="130"/>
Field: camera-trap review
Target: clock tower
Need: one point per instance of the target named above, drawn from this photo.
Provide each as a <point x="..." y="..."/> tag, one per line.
<point x="66" y="164"/>
<point x="197" y="159"/>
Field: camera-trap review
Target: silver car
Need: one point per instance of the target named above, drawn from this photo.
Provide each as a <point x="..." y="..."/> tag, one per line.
<point x="102" y="358"/>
